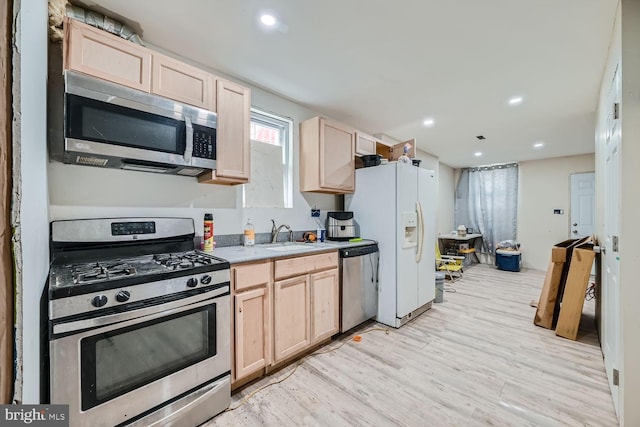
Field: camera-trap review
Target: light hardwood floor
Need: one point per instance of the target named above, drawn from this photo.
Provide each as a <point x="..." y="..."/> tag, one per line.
<point x="474" y="360"/>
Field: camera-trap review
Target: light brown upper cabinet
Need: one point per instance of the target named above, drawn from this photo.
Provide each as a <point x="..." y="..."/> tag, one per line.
<point x="365" y="144"/>
<point x="233" y="160"/>
<point x="95" y="52"/>
<point x="176" y="80"/>
<point x="392" y="152"/>
<point x="326" y="156"/>
<point x="106" y="56"/>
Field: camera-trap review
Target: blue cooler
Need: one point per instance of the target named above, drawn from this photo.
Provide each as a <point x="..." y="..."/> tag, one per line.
<point x="508" y="260"/>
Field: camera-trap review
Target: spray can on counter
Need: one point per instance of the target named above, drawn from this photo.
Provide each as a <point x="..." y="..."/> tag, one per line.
<point x="208" y="232"/>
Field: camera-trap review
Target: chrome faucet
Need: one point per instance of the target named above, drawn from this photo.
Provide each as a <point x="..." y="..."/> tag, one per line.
<point x="276" y="230"/>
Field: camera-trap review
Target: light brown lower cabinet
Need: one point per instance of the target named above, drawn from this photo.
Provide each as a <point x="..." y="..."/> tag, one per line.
<point x="325" y="303"/>
<point x="291" y="320"/>
<point x="252" y="331"/>
<point x="251" y="319"/>
<point x="275" y="320"/>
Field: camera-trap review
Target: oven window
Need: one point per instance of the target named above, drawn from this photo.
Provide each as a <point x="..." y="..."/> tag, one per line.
<point x="119" y="361"/>
<point x="98" y="121"/>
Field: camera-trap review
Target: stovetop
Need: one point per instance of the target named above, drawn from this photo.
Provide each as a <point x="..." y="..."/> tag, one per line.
<point x="66" y="278"/>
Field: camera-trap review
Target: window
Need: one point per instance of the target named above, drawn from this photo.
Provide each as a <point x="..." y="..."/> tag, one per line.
<point x="271" y="162"/>
<point x="487" y="201"/>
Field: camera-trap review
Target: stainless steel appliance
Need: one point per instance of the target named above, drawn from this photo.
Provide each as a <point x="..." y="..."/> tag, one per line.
<point x="97" y="123"/>
<point x="340" y="226"/>
<point x="138" y="328"/>
<point x="359" y="268"/>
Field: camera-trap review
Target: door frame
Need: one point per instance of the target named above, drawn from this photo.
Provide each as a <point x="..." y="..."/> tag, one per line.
<point x="6" y="187"/>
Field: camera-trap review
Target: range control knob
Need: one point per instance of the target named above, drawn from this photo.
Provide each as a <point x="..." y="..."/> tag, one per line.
<point x="192" y="283"/>
<point x="206" y="279"/>
<point x="99" y="301"/>
<point x="123" y="296"/>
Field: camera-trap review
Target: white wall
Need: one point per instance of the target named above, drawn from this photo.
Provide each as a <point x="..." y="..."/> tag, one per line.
<point x="30" y="73"/>
<point x="544" y="185"/>
<point x="446" y="199"/>
<point x="629" y="214"/>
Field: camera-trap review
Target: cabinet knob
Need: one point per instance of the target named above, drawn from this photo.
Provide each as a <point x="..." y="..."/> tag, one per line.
<point x="239" y="309"/>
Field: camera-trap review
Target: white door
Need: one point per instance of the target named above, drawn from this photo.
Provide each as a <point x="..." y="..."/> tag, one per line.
<point x="582" y="205"/>
<point x="407" y="239"/>
<point x="611" y="256"/>
<point x="427" y="189"/>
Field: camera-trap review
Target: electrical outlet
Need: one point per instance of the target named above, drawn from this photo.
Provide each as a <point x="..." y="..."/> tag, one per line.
<point x="315" y="213"/>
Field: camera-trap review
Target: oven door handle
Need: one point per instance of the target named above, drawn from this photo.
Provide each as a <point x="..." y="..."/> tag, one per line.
<point x="148" y="313"/>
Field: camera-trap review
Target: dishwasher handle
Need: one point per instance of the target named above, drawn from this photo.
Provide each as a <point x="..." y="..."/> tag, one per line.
<point x="358" y="251"/>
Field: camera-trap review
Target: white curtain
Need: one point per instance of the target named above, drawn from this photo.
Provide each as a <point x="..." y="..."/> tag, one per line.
<point x="487" y="201"/>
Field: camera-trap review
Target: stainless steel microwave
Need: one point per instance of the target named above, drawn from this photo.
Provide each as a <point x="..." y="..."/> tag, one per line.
<point x="98" y="123"/>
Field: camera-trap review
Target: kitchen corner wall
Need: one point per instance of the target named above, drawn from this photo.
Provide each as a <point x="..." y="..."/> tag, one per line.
<point x="544" y="185"/>
<point x="446" y="190"/>
<point x="446" y="199"/>
<point x="29" y="211"/>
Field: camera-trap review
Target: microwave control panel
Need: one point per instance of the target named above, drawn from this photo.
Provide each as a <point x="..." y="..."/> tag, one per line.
<point x="204" y="142"/>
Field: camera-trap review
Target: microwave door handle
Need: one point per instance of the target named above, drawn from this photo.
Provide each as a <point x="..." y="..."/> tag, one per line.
<point x="188" y="151"/>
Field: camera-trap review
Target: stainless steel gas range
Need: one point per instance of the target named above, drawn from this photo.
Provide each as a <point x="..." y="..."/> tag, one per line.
<point x="138" y="325"/>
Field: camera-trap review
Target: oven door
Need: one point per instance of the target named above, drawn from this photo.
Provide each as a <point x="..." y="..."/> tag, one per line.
<point x="113" y="373"/>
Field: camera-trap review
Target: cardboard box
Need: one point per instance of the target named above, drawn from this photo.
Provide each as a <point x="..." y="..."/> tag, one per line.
<point x="575" y="289"/>
<point x="554" y="281"/>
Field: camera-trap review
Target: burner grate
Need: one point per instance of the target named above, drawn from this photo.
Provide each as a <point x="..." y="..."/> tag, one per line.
<point x="98" y="272"/>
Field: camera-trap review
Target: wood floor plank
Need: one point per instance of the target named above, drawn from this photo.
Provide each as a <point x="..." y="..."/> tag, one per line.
<point x="476" y="359"/>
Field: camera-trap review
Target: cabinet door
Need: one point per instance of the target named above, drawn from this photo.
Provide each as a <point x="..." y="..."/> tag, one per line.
<point x="365" y="144"/>
<point x="252" y="331"/>
<point x="232" y="139"/>
<point x="337" y="167"/>
<point x="325" y="305"/>
<point x="291" y="323"/>
<point x="106" y="56"/>
<point x="182" y="82"/>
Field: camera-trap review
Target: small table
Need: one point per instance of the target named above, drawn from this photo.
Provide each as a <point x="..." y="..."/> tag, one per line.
<point x="471" y="239"/>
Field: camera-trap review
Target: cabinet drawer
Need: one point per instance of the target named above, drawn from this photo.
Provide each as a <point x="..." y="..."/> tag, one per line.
<point x="303" y="265"/>
<point x="246" y="276"/>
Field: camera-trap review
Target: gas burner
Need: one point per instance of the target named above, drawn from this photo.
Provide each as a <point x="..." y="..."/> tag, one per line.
<point x="98" y="272"/>
<point x="182" y="260"/>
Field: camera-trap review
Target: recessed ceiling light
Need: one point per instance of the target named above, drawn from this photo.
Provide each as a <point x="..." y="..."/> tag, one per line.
<point x="268" y="20"/>
<point x="538" y="145"/>
<point x="477" y="153"/>
<point x="429" y="122"/>
<point x="515" y="100"/>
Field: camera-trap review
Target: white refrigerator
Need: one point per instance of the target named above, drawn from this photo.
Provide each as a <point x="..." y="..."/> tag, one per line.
<point x="395" y="204"/>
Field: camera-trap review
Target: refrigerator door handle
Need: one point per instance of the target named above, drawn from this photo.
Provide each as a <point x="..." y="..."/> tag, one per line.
<point x="420" y="232"/>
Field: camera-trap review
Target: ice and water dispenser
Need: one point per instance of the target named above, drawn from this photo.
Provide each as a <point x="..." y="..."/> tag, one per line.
<point x="410" y="227"/>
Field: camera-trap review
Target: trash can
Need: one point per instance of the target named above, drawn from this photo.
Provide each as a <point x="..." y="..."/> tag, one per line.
<point x="439" y="287"/>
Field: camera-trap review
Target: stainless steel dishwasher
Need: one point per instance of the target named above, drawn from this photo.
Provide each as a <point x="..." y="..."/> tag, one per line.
<point x="358" y="285"/>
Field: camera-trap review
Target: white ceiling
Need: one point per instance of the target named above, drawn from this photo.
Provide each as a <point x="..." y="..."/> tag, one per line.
<point x="385" y="66"/>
